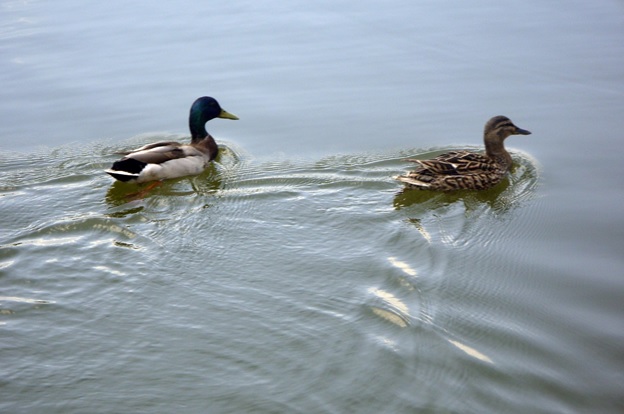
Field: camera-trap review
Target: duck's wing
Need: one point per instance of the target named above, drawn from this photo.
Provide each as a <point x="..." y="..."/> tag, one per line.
<point x="151" y="146"/>
<point x="455" y="163"/>
<point x="162" y="152"/>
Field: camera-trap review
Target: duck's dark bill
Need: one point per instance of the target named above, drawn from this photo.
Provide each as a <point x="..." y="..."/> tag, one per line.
<point x="521" y="131"/>
<point x="225" y="114"/>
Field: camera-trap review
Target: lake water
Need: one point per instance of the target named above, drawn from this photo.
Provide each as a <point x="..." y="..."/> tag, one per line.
<point x="295" y="275"/>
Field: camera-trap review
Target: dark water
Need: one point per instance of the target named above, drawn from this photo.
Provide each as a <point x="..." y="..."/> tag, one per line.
<point x="295" y="275"/>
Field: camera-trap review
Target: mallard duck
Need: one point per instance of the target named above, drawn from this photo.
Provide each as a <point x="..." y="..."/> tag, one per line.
<point x="457" y="170"/>
<point x="169" y="159"/>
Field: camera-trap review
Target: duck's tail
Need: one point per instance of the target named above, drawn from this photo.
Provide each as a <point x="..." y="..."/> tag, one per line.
<point x="122" y="175"/>
<point x="413" y="182"/>
<point x="126" y="169"/>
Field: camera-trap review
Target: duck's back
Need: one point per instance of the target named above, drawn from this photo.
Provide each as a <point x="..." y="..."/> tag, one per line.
<point x="455" y="170"/>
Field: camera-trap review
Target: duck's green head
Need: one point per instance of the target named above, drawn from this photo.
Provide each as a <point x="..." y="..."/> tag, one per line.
<point x="203" y="110"/>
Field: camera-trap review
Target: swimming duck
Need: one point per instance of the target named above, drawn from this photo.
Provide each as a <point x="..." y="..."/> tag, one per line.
<point x="171" y="159"/>
<point x="465" y="170"/>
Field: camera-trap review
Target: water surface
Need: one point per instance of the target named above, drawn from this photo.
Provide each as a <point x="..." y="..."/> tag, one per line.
<point x="295" y="275"/>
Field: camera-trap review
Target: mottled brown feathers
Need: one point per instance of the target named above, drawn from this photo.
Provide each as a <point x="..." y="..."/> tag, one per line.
<point x="465" y="170"/>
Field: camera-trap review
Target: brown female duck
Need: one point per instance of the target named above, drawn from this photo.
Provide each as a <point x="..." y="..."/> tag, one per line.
<point x="465" y="170"/>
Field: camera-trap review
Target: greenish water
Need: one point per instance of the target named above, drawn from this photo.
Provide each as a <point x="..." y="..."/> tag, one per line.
<point x="292" y="286"/>
<point x="295" y="275"/>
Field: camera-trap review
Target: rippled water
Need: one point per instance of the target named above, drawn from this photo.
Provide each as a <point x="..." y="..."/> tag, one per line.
<point x="294" y="274"/>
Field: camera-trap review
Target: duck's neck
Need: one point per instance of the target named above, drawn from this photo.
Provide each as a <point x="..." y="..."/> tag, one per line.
<point x="495" y="149"/>
<point x="201" y="139"/>
<point x="198" y="130"/>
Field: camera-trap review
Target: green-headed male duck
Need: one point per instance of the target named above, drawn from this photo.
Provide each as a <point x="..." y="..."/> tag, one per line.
<point x="163" y="160"/>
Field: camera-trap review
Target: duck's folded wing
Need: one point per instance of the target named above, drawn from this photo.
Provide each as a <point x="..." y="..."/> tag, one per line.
<point x="160" y="154"/>
<point x="454" y="163"/>
<point x="152" y="146"/>
<point x="435" y="167"/>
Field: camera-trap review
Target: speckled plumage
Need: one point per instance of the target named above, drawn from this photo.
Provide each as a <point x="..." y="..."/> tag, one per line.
<point x="169" y="159"/>
<point x="457" y="170"/>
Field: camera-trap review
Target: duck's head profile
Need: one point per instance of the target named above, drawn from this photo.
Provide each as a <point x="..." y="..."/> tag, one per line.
<point x="501" y="127"/>
<point x="495" y="132"/>
<point x="203" y="110"/>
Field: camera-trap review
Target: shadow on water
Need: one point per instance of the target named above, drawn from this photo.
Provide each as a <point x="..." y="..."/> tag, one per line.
<point x="207" y="182"/>
<point x="409" y="197"/>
